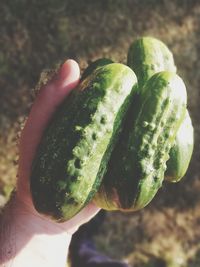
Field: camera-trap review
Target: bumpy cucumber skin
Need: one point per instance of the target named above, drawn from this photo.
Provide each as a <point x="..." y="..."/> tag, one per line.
<point x="73" y="154"/>
<point x="95" y="65"/>
<point x="181" y="153"/>
<point x="147" y="56"/>
<point x="138" y="162"/>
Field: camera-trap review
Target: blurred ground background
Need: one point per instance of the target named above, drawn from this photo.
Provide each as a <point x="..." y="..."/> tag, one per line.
<point x="37" y="34"/>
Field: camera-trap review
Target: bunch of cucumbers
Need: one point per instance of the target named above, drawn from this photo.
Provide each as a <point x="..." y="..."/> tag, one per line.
<point x="116" y="137"/>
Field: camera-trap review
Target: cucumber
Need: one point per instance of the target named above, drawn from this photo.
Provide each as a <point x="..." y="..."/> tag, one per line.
<point x="147" y="56"/>
<point x="73" y="154"/>
<point x="138" y="162"/>
<point x="95" y="65"/>
<point x="181" y="153"/>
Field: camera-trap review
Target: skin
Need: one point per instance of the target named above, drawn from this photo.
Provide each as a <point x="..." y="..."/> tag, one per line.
<point x="27" y="237"/>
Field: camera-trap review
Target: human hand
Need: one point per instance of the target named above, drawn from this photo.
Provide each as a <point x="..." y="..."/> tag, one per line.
<point x="45" y="104"/>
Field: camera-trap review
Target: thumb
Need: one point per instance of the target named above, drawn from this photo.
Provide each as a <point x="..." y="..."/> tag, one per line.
<point x="45" y="104"/>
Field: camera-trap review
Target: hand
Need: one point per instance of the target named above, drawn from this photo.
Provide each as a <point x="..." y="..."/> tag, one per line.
<point x="27" y="237"/>
<point x="48" y="99"/>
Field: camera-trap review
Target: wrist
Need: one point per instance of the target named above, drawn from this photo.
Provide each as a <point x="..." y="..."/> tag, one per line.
<point x="31" y="237"/>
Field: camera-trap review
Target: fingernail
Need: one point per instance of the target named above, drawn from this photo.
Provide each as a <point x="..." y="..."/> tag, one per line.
<point x="69" y="72"/>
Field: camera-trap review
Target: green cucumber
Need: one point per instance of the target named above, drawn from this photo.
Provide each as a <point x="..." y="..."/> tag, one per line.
<point x="72" y="156"/>
<point x="147" y="56"/>
<point x="181" y="153"/>
<point x="95" y="65"/>
<point x="138" y="162"/>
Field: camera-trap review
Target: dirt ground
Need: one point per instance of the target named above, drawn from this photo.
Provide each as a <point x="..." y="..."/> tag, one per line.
<point x="37" y="35"/>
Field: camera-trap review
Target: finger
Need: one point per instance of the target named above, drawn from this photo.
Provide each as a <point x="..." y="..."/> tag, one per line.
<point x="48" y="99"/>
<point x="82" y="217"/>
